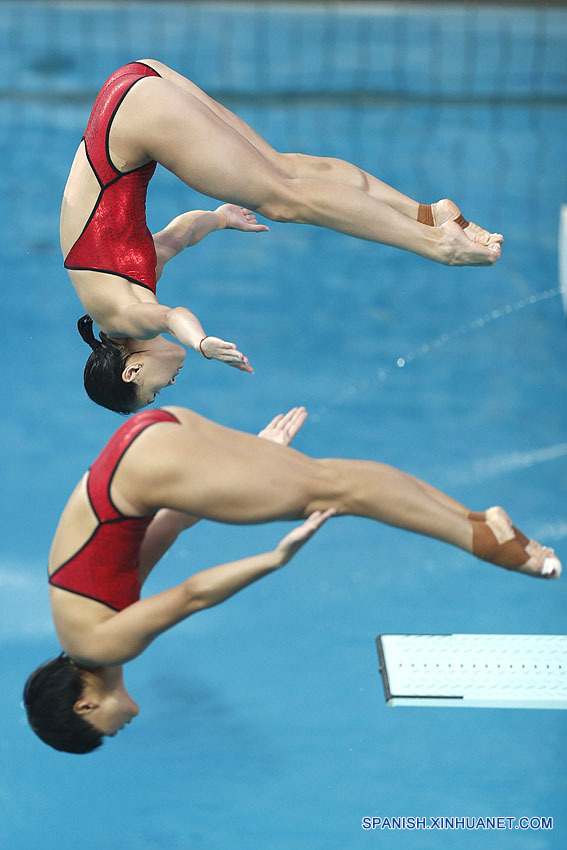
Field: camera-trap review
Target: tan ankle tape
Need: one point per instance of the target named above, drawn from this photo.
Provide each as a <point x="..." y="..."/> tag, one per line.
<point x="462" y="222"/>
<point x="425" y="214"/>
<point x="485" y="546"/>
<point x="480" y="516"/>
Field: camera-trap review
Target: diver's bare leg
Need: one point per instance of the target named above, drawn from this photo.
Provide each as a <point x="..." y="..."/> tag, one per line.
<point x="162" y="121"/>
<point x="327" y="169"/>
<point x="227" y="476"/>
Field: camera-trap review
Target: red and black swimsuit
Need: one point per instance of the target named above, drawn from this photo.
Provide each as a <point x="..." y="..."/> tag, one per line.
<point x="106" y="567"/>
<point x="116" y="239"/>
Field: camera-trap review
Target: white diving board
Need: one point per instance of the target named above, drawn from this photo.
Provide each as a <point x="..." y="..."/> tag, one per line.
<point x="474" y="671"/>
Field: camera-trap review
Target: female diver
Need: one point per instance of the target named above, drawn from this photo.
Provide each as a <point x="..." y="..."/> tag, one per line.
<point x="158" y="474"/>
<point x="146" y="113"/>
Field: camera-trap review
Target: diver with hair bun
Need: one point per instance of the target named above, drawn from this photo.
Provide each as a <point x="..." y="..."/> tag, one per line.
<point x="146" y="113"/>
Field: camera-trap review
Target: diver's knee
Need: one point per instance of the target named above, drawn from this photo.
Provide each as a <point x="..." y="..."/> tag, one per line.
<point x="287" y="203"/>
<point x="327" y="487"/>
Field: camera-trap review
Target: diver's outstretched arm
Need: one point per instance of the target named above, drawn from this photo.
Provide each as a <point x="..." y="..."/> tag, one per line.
<point x="125" y="635"/>
<point x="191" y="227"/>
<point x="141" y="320"/>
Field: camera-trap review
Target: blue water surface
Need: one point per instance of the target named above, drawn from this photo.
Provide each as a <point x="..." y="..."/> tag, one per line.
<point x="263" y="722"/>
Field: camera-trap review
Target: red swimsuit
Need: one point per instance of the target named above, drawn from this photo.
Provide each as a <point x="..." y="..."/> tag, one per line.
<point x="106" y="567"/>
<point x="116" y="239"/>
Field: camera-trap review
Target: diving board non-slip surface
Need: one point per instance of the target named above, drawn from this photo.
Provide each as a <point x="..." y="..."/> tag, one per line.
<point x="475" y="671"/>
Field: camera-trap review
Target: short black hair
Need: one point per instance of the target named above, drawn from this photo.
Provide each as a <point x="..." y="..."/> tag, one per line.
<point x="49" y="696"/>
<point x="103" y="371"/>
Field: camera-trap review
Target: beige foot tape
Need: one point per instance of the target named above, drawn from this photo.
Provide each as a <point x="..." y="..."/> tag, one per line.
<point x="480" y="516"/>
<point x="425" y="216"/>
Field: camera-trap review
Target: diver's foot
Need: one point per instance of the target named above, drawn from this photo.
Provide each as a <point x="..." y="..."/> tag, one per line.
<point x="462" y="242"/>
<point x="497" y="541"/>
<point x="480" y="516"/>
<point x="456" y="249"/>
<point x="446" y="210"/>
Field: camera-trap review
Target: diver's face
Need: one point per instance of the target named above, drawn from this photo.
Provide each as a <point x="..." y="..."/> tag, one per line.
<point x="105" y="703"/>
<point x="113" y="713"/>
<point x="154" y="365"/>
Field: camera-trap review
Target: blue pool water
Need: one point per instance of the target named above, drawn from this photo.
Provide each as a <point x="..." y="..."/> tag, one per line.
<point x="263" y="722"/>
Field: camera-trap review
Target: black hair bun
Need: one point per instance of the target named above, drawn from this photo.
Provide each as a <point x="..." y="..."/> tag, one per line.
<point x="85" y="328"/>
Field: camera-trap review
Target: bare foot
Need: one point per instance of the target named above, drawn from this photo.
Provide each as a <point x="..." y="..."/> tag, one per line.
<point x="497" y="541"/>
<point x="456" y="249"/>
<point x="446" y="210"/>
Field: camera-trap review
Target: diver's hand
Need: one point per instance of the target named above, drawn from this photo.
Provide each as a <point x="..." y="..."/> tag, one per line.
<point x="283" y="427"/>
<point x="292" y="542"/>
<point x="214" y="348"/>
<point x="239" y="218"/>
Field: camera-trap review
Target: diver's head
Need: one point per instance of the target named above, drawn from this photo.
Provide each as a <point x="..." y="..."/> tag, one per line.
<point x="49" y="696"/>
<point x="126" y="374"/>
<point x="72" y="708"/>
